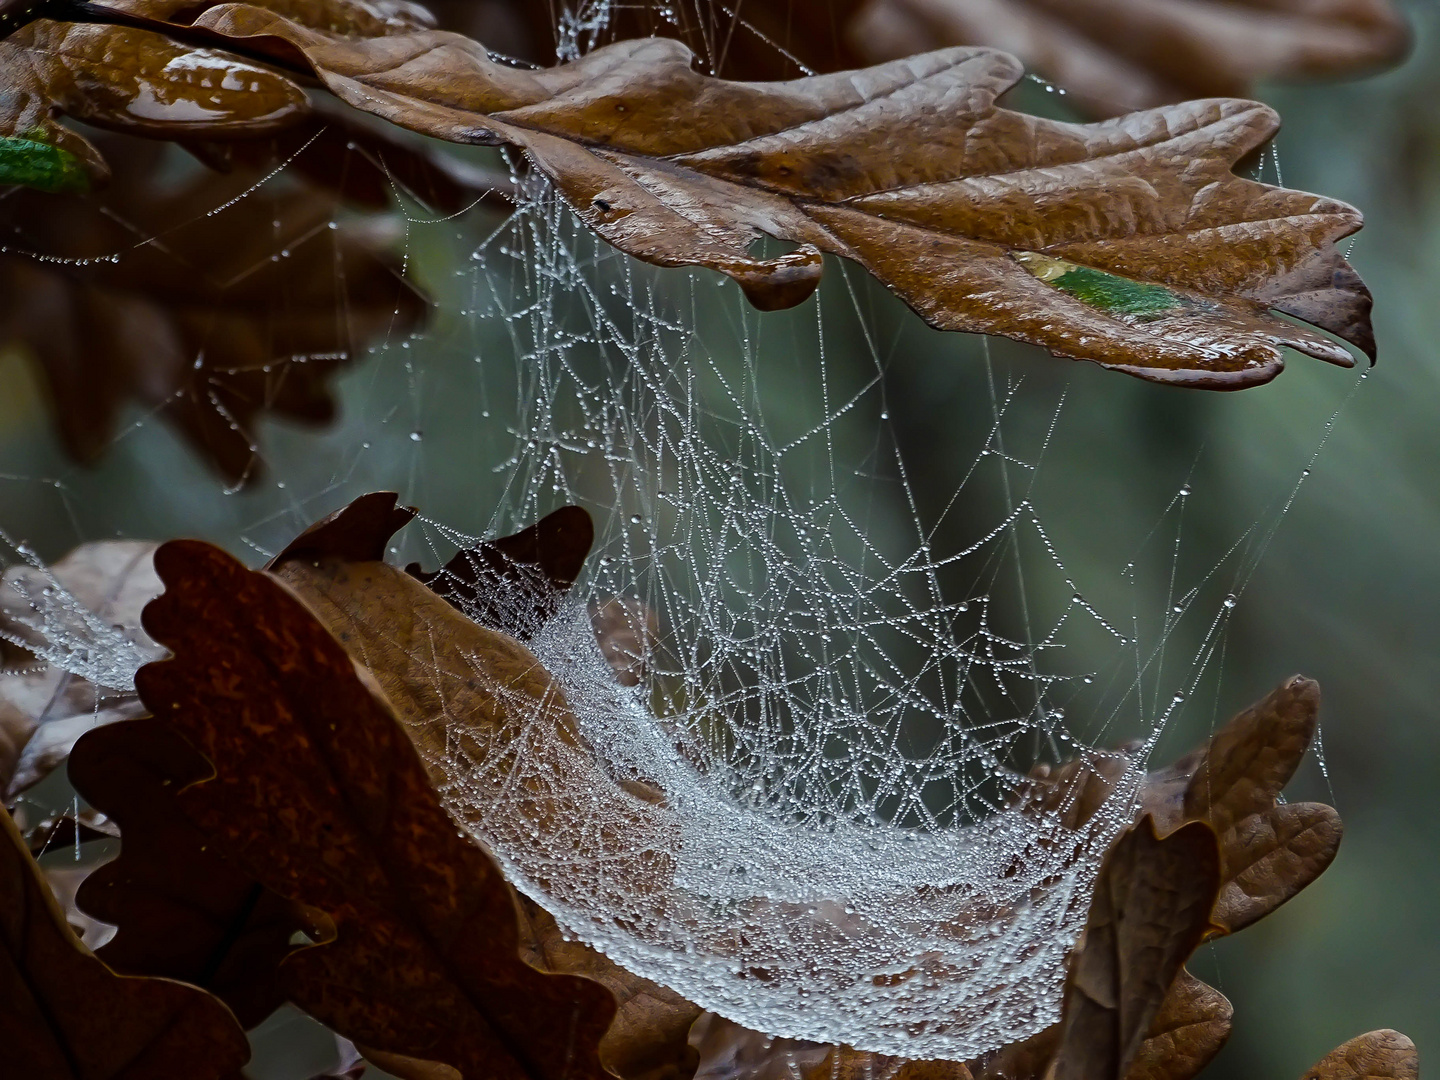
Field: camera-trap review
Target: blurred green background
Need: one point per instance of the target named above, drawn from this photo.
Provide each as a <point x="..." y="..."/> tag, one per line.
<point x="1347" y="591"/>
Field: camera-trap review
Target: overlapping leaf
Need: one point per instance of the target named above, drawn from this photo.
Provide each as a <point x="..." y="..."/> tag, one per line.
<point x="1269" y="850"/>
<point x="1151" y="908"/>
<point x="424" y="961"/>
<point x="1114" y="56"/>
<point x="1129" y="242"/>
<point x="182" y="909"/>
<point x="213" y="307"/>
<point x="68" y="1017"/>
<point x="131" y="80"/>
<point x="318" y="798"/>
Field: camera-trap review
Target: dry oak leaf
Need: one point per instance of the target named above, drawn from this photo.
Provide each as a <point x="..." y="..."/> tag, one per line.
<point x="1376" y="1055"/>
<point x="221" y="303"/>
<point x="1191" y="1027"/>
<point x="182" y="909"/>
<point x="433" y="660"/>
<point x="127" y="79"/>
<point x="44" y="708"/>
<point x="457" y="687"/>
<point x="1150" y="909"/>
<point x="1269" y="850"/>
<point x="68" y="1017"/>
<point x="1129" y="242"/>
<point x="1115" y="56"/>
<point x="320" y="795"/>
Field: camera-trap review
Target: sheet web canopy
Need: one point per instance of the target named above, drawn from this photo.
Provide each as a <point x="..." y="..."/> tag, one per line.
<point x="810" y="809"/>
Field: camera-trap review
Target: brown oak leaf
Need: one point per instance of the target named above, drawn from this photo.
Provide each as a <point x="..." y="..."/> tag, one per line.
<point x="68" y="1017"/>
<point x="424" y="962"/>
<point x="1376" y="1055"/>
<point x="221" y="304"/>
<point x="1128" y="242"/>
<point x="1151" y="908"/>
<point x="1269" y="850"/>
<point x="1189" y="1030"/>
<point x="132" y="80"/>
<point x="649" y="1038"/>
<point x="1115" y="56"/>
<point x="182" y="909"/>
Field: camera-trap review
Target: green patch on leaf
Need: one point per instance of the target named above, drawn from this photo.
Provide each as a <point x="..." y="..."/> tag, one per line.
<point x="1108" y="292"/>
<point x="39" y="165"/>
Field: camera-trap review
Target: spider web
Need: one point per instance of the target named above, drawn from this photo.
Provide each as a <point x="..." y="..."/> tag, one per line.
<point x="811" y="813"/>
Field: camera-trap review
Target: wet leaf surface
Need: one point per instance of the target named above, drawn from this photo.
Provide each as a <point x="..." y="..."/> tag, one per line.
<point x="1115" y="56"/>
<point x="129" y="80"/>
<point x="43" y="708"/>
<point x="1130" y="242"/>
<point x="424" y="962"/>
<point x="68" y="1017"/>
<point x="221" y="305"/>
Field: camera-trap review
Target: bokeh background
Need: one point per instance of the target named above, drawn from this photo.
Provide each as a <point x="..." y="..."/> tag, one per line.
<point x="1345" y="584"/>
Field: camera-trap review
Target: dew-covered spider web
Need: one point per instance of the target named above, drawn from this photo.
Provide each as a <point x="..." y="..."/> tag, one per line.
<point x="814" y="801"/>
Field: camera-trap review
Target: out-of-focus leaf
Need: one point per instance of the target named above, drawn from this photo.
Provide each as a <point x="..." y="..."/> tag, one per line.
<point x="129" y="80"/>
<point x="182" y="909"/>
<point x="759" y="42"/>
<point x="1151" y="908"/>
<point x="44" y="708"/>
<point x="1269" y="851"/>
<point x="1376" y="1055"/>
<point x="1114" y="56"/>
<point x="207" y="300"/>
<point x="1130" y="243"/>
<point x="364" y="164"/>
<point x="424" y="962"/>
<point x="68" y="1017"/>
